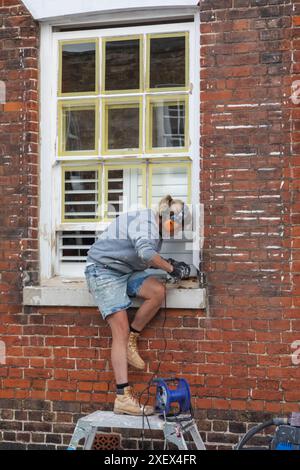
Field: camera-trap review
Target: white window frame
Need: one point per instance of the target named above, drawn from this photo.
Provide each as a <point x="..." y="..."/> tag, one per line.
<point x="50" y="193"/>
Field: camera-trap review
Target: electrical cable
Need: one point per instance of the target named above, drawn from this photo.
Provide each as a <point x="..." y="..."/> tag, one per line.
<point x="254" y="431"/>
<point x="147" y="388"/>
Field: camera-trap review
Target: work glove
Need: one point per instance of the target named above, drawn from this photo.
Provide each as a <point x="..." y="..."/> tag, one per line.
<point x="181" y="270"/>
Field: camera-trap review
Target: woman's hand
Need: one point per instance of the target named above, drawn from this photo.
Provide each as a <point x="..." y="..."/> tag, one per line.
<point x="181" y="270"/>
<point x="160" y="263"/>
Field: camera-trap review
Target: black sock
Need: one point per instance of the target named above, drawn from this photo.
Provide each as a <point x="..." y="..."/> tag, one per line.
<point x="133" y="330"/>
<point x="120" y="388"/>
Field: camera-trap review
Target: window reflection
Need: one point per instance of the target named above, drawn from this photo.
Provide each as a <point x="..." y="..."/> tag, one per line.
<point x="123" y="127"/>
<point x="168" y="62"/>
<point x="122" y="65"/>
<point x="78" y="67"/>
<point x="168" y="125"/>
<point x="79" y="126"/>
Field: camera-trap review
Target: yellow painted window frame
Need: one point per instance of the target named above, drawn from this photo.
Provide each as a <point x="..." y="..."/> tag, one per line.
<point x="187" y="61"/>
<point x="187" y="164"/>
<point x="97" y="68"/>
<point x="98" y="169"/>
<point x="172" y="99"/>
<point x="103" y="68"/>
<point x="107" y="168"/>
<point x="81" y="105"/>
<point x="124" y="102"/>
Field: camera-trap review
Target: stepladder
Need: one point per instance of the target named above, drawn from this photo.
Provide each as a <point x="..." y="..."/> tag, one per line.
<point x="178" y="432"/>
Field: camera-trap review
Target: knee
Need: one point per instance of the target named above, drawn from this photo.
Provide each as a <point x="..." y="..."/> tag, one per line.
<point x="159" y="292"/>
<point x="120" y="333"/>
<point x="119" y="327"/>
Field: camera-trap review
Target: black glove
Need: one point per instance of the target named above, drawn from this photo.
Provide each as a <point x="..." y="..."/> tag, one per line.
<point x="181" y="270"/>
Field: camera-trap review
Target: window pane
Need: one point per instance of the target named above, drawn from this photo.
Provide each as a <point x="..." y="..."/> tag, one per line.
<point x="122" y="65"/>
<point x="75" y="245"/>
<point x="123" y="127"/>
<point x="125" y="190"/>
<point x="79" y="128"/>
<point x="168" y="124"/>
<point x="169" y="179"/>
<point x="78" y="68"/>
<point x="115" y="192"/>
<point x="168" y="62"/>
<point x="81" y="194"/>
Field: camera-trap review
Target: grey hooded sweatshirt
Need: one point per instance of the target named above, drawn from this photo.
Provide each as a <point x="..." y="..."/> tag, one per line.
<point x="128" y="243"/>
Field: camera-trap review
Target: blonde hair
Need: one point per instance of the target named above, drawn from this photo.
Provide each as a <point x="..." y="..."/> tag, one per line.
<point x="164" y="204"/>
<point x="168" y="204"/>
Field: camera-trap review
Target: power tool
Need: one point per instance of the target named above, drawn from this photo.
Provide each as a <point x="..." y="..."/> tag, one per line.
<point x="181" y="269"/>
<point x="172" y="402"/>
<point x="286" y="436"/>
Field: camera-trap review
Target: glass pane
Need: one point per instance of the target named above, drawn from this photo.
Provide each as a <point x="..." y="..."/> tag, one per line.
<point x="122" y="65"/>
<point x="75" y="245"/>
<point x="115" y="191"/>
<point x="167" y="62"/>
<point x="123" y="127"/>
<point x="124" y="190"/>
<point x="79" y="128"/>
<point x="81" y="194"/>
<point x="78" y="68"/>
<point x="168" y="124"/>
<point x="169" y="180"/>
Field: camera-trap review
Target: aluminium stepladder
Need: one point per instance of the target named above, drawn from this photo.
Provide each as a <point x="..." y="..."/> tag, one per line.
<point x="174" y="432"/>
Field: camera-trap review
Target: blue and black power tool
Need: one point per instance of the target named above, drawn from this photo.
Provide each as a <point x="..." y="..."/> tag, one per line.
<point x="286" y="437"/>
<point x="173" y="397"/>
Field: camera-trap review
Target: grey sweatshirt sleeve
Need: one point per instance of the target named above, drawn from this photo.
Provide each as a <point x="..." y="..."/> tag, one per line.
<point x="143" y="233"/>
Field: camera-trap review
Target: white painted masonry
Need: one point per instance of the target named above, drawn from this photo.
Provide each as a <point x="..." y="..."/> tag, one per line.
<point x="46" y="10"/>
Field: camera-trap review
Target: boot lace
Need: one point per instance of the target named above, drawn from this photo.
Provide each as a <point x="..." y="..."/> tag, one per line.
<point x="131" y="394"/>
<point x="133" y="342"/>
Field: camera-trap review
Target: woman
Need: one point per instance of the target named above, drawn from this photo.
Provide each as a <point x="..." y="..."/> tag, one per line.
<point x="115" y="271"/>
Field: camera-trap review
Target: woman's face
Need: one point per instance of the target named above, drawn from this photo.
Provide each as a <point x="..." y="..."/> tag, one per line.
<point x="171" y="227"/>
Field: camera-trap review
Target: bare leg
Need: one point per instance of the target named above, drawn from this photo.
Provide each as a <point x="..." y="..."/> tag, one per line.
<point x="118" y="323"/>
<point x="153" y="291"/>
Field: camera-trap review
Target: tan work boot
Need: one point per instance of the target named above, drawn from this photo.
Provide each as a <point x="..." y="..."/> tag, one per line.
<point x="127" y="404"/>
<point x="133" y="357"/>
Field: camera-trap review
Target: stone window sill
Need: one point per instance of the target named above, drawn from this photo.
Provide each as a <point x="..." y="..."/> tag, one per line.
<point x="61" y="292"/>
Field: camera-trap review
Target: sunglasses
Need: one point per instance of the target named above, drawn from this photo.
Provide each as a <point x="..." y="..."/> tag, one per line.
<point x="178" y="218"/>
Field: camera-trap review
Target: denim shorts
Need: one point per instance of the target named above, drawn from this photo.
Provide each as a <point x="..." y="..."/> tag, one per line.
<point x="111" y="289"/>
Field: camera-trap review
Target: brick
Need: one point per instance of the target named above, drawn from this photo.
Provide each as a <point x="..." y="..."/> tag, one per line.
<point x="10" y="383"/>
<point x="237" y="428"/>
<point x="40" y="427"/>
<point x="37" y="405"/>
<point x="12" y="106"/>
<point x="271" y="58"/>
<point x="53" y="438"/>
<point x="11" y="446"/>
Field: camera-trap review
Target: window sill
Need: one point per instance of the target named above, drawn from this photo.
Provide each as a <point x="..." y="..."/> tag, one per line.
<point x="61" y="292"/>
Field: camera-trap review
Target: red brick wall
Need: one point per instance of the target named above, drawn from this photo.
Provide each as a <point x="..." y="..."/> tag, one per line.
<point x="249" y="191"/>
<point x="237" y="354"/>
<point x="19" y="153"/>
